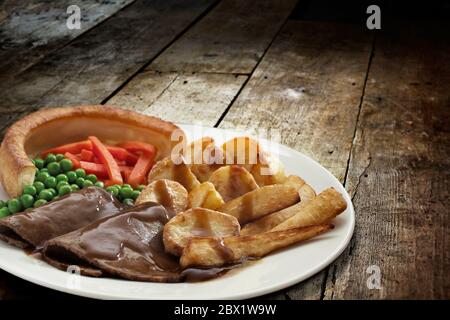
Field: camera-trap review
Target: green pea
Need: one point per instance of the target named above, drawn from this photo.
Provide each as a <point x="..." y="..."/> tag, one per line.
<point x="42" y="176"/>
<point x="80" y="173"/>
<point x="61" y="184"/>
<point x="2" y="204"/>
<point x="99" y="184"/>
<point x="4" y="212"/>
<point x="141" y="187"/>
<point x="54" y="168"/>
<point x="39" y="163"/>
<point x="14" y="205"/>
<point x="50" y="182"/>
<point x="45" y="195"/>
<point x="66" y="165"/>
<point x="80" y="182"/>
<point x="39" y="186"/>
<point x="87" y="183"/>
<point x="64" y="190"/>
<point x="50" y="158"/>
<point x="128" y="202"/>
<point x="113" y="190"/>
<point x="31" y="190"/>
<point x="52" y="191"/>
<point x="135" y="194"/>
<point x="59" y="157"/>
<point x="44" y="170"/>
<point x="40" y="202"/>
<point x="126" y="185"/>
<point x="126" y="192"/>
<point x="72" y="176"/>
<point x="74" y="187"/>
<point x="27" y="201"/>
<point x="62" y="177"/>
<point x="92" y="177"/>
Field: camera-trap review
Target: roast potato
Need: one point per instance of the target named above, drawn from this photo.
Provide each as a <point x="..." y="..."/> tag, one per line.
<point x="197" y="222"/>
<point x="170" y="194"/>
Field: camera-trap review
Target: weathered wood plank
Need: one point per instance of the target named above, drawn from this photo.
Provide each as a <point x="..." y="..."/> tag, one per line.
<point x="230" y="39"/>
<point x="309" y="92"/>
<point x="185" y="98"/>
<point x="143" y="90"/>
<point x="399" y="173"/>
<point x="31" y="29"/>
<point x="90" y="68"/>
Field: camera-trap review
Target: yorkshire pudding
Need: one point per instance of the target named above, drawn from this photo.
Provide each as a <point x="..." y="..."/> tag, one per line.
<point x="52" y="127"/>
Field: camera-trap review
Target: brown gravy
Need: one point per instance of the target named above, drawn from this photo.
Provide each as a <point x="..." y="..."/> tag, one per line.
<point x="133" y="241"/>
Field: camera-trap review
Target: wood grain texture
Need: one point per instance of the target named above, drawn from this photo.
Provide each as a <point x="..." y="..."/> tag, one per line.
<point x="31" y="29"/>
<point x="399" y="173"/>
<point x="90" y="68"/>
<point x="183" y="98"/>
<point x="230" y="39"/>
<point x="309" y="92"/>
<point x="310" y="95"/>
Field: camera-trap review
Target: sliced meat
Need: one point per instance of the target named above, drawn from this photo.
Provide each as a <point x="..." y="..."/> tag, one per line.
<point x="128" y="245"/>
<point x="71" y="212"/>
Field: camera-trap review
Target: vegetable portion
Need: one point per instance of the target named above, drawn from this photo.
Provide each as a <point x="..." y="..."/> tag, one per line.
<point x="107" y="159"/>
<point x="121" y="169"/>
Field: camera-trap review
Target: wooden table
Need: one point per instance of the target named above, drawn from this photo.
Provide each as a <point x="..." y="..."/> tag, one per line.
<point x="372" y="107"/>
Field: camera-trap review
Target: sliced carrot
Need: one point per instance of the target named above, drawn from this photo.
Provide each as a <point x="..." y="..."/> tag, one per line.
<point x="72" y="148"/>
<point x="108" y="183"/>
<point x="121" y="162"/>
<point x="138" y="146"/>
<point x="98" y="169"/>
<point x="107" y="159"/>
<point x="126" y="173"/>
<point x="75" y="160"/>
<point x="140" y="170"/>
<point x="86" y="155"/>
<point x="122" y="154"/>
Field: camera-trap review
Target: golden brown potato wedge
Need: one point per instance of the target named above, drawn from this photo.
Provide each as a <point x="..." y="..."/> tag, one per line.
<point x="205" y="196"/>
<point x="321" y="209"/>
<point x="305" y="191"/>
<point x="197" y="146"/>
<point x="167" y="169"/>
<point x="197" y="222"/>
<point x="272" y="220"/>
<point x="232" y="182"/>
<point x="214" y="252"/>
<point x="168" y="193"/>
<point x="269" y="170"/>
<point x="205" y="158"/>
<point x="260" y="202"/>
<point x="243" y="151"/>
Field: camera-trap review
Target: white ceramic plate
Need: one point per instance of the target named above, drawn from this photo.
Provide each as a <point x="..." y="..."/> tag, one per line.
<point x="274" y="272"/>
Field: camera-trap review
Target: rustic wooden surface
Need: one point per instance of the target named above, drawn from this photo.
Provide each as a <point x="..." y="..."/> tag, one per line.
<point x="371" y="107"/>
<point x="231" y="39"/>
<point x="34" y="29"/>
